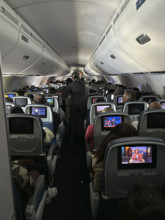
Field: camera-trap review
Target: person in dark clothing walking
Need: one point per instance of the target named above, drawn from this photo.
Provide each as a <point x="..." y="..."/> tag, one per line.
<point x="77" y="106"/>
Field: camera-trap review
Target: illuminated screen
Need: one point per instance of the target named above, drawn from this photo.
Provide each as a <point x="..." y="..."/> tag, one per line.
<point x="100" y="108"/>
<point x="120" y="100"/>
<point x="137" y="156"/>
<point x="94" y="100"/>
<point x="39" y="111"/>
<point x="46" y="90"/>
<point x="156" y="120"/>
<point x="163" y="105"/>
<point x="149" y="99"/>
<point x="11" y="95"/>
<point x="20" y="102"/>
<point x="112" y="97"/>
<point x="21" y="125"/>
<point x="135" y="109"/>
<point x="108" y="122"/>
<point x="50" y="101"/>
<point x="8" y="108"/>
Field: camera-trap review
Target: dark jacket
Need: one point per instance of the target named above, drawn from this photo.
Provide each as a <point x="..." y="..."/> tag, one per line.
<point x="78" y="94"/>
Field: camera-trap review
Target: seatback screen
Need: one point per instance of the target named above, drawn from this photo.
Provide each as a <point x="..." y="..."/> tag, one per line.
<point x="119" y="100"/>
<point x="163" y="105"/>
<point x="50" y="101"/>
<point x="39" y="111"/>
<point x="21" y="125"/>
<point x="100" y="108"/>
<point x="109" y="122"/>
<point x="20" y="102"/>
<point x="10" y="95"/>
<point x="156" y="120"/>
<point x="135" y="109"/>
<point x="139" y="156"/>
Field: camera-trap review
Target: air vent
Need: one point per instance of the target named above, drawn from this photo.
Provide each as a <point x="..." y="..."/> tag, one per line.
<point x="8" y="15"/>
<point x="102" y="40"/>
<point x="143" y="39"/>
<point x="26" y="57"/>
<point x="101" y="62"/>
<point x="124" y="5"/>
<point x="108" y="30"/>
<point x="25" y="39"/>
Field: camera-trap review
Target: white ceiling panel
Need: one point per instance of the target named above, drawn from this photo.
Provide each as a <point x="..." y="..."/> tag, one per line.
<point x="71" y="28"/>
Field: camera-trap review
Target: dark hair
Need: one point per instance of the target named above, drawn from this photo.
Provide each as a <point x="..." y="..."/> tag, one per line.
<point x="39" y="99"/>
<point x="131" y="94"/>
<point x="8" y="99"/>
<point x="68" y="81"/>
<point x="144" y="202"/>
<point x="123" y="129"/>
<point x="76" y="75"/>
<point x="16" y="109"/>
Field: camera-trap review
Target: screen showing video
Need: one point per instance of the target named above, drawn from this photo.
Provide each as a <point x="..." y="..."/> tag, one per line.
<point x="10" y="95"/>
<point x="20" y="102"/>
<point x="100" y="108"/>
<point x="137" y="156"/>
<point x="163" y="105"/>
<point x="135" y="109"/>
<point x="21" y="125"/>
<point x="156" y="120"/>
<point x="39" y="111"/>
<point x="112" y="97"/>
<point x="120" y="100"/>
<point x="50" y="101"/>
<point x="109" y="122"/>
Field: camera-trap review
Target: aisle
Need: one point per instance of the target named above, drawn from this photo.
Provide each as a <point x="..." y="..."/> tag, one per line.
<point x="72" y="181"/>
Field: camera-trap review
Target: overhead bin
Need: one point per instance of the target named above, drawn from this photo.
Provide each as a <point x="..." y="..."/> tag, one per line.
<point x="9" y="30"/>
<point x="146" y="20"/>
<point x="112" y="59"/>
<point x="23" y="51"/>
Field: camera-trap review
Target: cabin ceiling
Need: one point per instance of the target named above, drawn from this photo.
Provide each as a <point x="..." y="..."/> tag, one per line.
<point x="72" y="28"/>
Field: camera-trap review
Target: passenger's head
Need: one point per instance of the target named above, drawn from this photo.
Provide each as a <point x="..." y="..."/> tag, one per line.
<point x="154" y="105"/>
<point x="76" y="75"/>
<point x="123" y="129"/>
<point x="108" y="109"/>
<point x="144" y="202"/>
<point x="129" y="95"/>
<point x="119" y="91"/>
<point x="68" y="81"/>
<point x="16" y="109"/>
<point x="8" y="99"/>
<point x="39" y="99"/>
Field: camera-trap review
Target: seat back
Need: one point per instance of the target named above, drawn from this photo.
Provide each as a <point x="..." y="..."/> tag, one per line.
<point x="44" y="112"/>
<point x="93" y="99"/>
<point x="25" y="134"/>
<point x="149" y="98"/>
<point x="118" y="101"/>
<point x="122" y="171"/>
<point x="21" y="101"/>
<point x="97" y="108"/>
<point x="105" y="122"/>
<point x="8" y="106"/>
<point x="134" y="108"/>
<point x="152" y="123"/>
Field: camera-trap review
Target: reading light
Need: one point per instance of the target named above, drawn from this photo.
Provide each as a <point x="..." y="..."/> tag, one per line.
<point x="143" y="39"/>
<point x="101" y="62"/>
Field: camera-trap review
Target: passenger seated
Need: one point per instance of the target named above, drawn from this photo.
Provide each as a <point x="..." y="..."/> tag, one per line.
<point x="144" y="202"/>
<point x="121" y="130"/>
<point x="89" y="136"/>
<point x="26" y="181"/>
<point x="129" y="95"/>
<point x="8" y="99"/>
<point x="16" y="109"/>
<point x="40" y="99"/>
<point x="154" y="105"/>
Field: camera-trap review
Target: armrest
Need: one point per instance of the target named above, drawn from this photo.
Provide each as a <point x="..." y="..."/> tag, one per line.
<point x="52" y="159"/>
<point x="37" y="198"/>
